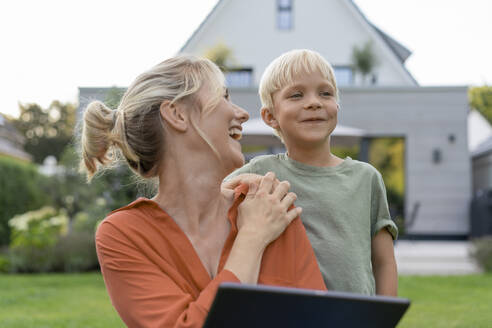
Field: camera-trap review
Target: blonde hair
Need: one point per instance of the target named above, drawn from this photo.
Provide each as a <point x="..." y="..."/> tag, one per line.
<point x="134" y="131"/>
<point x="283" y="70"/>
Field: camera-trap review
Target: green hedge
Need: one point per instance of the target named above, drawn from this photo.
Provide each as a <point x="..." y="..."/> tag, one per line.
<point x="20" y="191"/>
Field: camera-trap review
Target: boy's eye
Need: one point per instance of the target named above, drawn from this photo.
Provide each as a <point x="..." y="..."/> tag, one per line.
<point x="296" y="95"/>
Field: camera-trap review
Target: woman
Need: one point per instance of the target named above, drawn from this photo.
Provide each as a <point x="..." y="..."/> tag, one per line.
<point x="163" y="258"/>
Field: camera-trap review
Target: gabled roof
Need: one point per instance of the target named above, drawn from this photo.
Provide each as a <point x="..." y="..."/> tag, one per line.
<point x="484" y="148"/>
<point x="400" y="51"/>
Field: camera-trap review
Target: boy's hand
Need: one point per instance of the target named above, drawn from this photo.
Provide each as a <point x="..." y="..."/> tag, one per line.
<point x="264" y="214"/>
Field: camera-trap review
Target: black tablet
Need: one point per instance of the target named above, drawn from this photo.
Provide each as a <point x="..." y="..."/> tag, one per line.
<point x="240" y="306"/>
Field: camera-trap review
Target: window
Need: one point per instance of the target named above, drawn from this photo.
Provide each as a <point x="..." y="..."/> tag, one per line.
<point x="239" y="77"/>
<point x="284" y="14"/>
<point x="343" y="75"/>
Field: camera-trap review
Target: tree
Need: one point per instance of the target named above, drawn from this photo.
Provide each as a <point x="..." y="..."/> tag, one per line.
<point x="364" y="60"/>
<point x="47" y="131"/>
<point x="387" y="155"/>
<point x="480" y="98"/>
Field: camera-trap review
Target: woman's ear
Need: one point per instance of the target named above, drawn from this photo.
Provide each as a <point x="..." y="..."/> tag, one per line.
<point x="174" y="115"/>
<point x="269" y="118"/>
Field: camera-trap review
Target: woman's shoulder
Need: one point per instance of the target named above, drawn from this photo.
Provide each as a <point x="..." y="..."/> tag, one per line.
<point x="127" y="217"/>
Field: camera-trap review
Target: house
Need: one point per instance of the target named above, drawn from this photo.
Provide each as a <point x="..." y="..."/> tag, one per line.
<point x="389" y="102"/>
<point x="11" y="141"/>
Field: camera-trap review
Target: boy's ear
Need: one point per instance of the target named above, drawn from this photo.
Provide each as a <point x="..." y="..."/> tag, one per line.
<point x="269" y="118"/>
<point x="174" y="115"/>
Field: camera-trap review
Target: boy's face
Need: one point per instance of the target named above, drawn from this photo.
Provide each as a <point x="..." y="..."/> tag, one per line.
<point x="306" y="111"/>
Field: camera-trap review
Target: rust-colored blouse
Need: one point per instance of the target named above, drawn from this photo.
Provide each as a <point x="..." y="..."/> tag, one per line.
<point x="156" y="279"/>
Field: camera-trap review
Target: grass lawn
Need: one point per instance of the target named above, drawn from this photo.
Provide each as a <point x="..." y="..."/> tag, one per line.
<point x="447" y="302"/>
<point x="80" y="300"/>
<point x="56" y="301"/>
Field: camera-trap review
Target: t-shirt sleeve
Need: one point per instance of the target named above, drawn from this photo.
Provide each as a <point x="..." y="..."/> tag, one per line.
<point x="308" y="274"/>
<point x="380" y="216"/>
<point x="143" y="294"/>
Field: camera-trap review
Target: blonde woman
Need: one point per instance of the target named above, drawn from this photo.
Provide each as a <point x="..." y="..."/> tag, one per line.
<point x="163" y="258"/>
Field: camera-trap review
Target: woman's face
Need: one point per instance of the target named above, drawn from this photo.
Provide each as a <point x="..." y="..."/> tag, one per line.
<point x="222" y="127"/>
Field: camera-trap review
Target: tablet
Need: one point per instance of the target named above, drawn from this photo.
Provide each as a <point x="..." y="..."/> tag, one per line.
<point x="241" y="305"/>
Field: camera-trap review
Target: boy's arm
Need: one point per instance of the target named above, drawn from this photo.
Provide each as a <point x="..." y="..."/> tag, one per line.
<point x="384" y="264"/>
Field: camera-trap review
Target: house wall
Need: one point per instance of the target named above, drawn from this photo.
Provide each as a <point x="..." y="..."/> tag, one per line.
<point x="332" y="28"/>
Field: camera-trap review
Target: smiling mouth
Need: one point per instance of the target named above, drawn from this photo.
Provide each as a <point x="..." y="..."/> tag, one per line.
<point x="314" y="120"/>
<point x="235" y="133"/>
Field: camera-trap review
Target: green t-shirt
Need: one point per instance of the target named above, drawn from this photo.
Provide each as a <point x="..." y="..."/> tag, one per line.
<point x="343" y="208"/>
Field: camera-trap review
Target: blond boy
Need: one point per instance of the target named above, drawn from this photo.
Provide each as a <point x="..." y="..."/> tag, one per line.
<point x="344" y="204"/>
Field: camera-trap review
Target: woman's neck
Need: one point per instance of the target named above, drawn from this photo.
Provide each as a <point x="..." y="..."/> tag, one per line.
<point x="189" y="191"/>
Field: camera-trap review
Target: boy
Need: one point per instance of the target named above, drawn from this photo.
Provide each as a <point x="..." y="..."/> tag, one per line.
<point x="344" y="204"/>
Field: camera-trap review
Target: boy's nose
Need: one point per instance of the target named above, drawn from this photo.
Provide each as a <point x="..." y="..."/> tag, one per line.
<point x="312" y="103"/>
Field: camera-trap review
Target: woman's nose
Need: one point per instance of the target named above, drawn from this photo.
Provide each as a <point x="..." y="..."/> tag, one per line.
<point x="241" y="114"/>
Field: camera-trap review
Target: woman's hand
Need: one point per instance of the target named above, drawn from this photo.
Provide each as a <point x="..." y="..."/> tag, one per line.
<point x="245" y="178"/>
<point x="262" y="217"/>
<point x="264" y="214"/>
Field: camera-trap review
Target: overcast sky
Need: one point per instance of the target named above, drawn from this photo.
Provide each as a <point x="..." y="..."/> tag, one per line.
<point x="49" y="48"/>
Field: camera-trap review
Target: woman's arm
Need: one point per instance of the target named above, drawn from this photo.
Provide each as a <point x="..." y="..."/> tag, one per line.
<point x="384" y="264"/>
<point x="308" y="274"/>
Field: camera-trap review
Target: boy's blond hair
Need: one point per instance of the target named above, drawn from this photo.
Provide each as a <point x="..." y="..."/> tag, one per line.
<point x="283" y="69"/>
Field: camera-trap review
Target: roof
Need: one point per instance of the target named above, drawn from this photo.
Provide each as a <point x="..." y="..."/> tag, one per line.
<point x="8" y="131"/>
<point x="400" y="51"/>
<point x="11" y="141"/>
<point x="483" y="149"/>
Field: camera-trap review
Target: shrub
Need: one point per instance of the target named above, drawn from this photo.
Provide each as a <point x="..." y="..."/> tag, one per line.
<point x="4" y="263"/>
<point x="76" y="252"/>
<point x="482" y="252"/>
<point x="34" y="236"/>
<point x="44" y="241"/>
<point x="20" y="191"/>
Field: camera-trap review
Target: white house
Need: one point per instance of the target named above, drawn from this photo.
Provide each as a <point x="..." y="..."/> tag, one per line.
<point x="432" y="120"/>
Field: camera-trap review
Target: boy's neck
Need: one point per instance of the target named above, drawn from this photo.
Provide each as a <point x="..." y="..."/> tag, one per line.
<point x="320" y="156"/>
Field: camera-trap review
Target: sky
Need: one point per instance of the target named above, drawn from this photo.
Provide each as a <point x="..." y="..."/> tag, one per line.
<point x="49" y="48"/>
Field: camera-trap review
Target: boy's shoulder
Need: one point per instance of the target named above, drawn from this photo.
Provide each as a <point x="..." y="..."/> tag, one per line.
<point x="264" y="163"/>
<point x="266" y="159"/>
<point x="364" y="167"/>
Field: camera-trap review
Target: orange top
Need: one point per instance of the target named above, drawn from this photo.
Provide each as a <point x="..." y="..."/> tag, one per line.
<point x="156" y="279"/>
